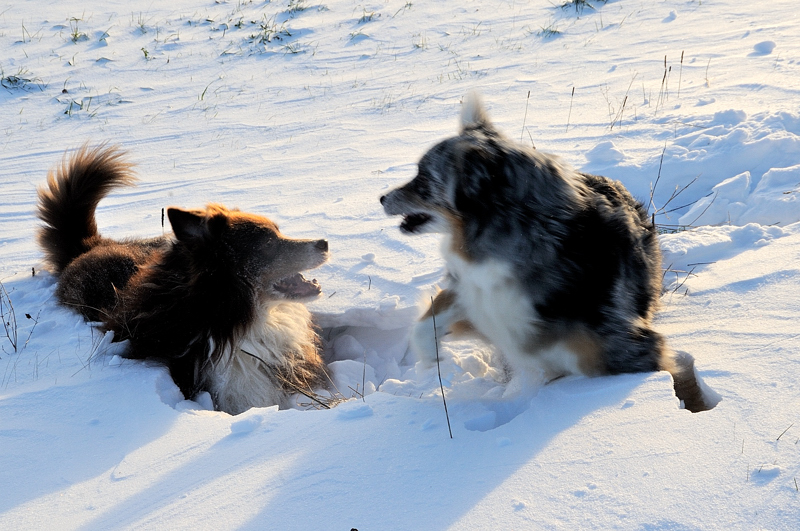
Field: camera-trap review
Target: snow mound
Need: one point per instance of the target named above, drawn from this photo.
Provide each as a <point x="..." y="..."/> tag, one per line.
<point x="764" y="47"/>
<point x="605" y="153"/>
<point x="774" y="200"/>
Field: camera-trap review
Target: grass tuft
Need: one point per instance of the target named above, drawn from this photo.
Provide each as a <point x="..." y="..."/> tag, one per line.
<point x="367" y="16"/>
<point x="668" y="207"/>
<point x="329" y="400"/>
<point x="580" y="5"/>
<point x="18" y="81"/>
<point x="10" y="326"/>
<point x="403" y="9"/>
<point x="75" y="34"/>
<point x="547" y="32"/>
<point x="269" y="31"/>
<point x="141" y="23"/>
<point x="293" y="48"/>
<point x="9" y="318"/>
<point x="296" y="6"/>
<point x="84" y="104"/>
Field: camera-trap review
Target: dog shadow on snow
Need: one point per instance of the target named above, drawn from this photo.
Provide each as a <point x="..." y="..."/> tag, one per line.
<point x="60" y="426"/>
<point x="368" y="351"/>
<point x="384" y="461"/>
<point x="397" y="438"/>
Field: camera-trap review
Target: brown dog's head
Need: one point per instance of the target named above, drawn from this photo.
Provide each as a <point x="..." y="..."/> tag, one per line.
<point x="249" y="248"/>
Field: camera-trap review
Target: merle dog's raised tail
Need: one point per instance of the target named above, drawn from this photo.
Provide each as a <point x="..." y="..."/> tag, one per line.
<point x="68" y="201"/>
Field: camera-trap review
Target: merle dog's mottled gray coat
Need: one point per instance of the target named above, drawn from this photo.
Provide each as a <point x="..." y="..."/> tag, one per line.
<point x="582" y="249"/>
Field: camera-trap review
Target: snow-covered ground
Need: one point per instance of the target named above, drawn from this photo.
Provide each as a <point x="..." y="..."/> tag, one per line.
<point x="307" y="111"/>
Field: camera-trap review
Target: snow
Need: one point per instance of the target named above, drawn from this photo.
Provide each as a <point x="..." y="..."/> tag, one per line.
<point x="308" y="111"/>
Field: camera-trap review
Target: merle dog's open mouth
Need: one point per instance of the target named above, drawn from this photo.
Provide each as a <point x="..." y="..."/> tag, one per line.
<point x="411" y="222"/>
<point x="297" y="287"/>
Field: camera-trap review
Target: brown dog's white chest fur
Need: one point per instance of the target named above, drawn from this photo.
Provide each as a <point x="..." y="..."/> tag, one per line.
<point x="280" y="336"/>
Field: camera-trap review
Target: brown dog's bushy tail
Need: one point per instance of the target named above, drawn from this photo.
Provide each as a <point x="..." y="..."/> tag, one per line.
<point x="68" y="201"/>
<point x="696" y="396"/>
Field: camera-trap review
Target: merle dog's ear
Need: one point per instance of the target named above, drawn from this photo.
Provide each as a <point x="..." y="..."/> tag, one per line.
<point x="473" y="115"/>
<point x="481" y="178"/>
<point x="187" y="224"/>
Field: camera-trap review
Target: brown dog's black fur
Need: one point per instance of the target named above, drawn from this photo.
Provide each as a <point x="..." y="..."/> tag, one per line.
<point x="218" y="304"/>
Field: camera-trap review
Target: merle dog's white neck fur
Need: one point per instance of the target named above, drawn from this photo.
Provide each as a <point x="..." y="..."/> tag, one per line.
<point x="494" y="302"/>
<point x="493" y="299"/>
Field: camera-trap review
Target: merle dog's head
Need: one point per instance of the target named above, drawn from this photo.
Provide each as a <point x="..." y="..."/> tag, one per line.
<point x="428" y="202"/>
<point x="249" y="248"/>
<point x="477" y="177"/>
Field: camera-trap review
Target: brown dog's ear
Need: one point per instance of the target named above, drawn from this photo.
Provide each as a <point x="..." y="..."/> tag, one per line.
<point x="187" y="225"/>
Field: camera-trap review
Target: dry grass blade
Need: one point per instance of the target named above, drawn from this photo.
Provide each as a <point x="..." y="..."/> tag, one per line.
<point x="658" y="178"/>
<point x="681" y="276"/>
<point x="439" y="369"/>
<point x="665" y="228"/>
<point x="618" y="117"/>
<point x="784" y="431"/>
<point x="525" y="117"/>
<point x="329" y="401"/>
<point x="571" y="98"/>
<point x="318" y="401"/>
<point x="360" y="395"/>
<point x="363" y="377"/>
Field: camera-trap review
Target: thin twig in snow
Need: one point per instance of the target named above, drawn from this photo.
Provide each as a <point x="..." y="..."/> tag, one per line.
<point x="572" y="97"/>
<point x="439" y="369"/>
<point x="524" y="118"/>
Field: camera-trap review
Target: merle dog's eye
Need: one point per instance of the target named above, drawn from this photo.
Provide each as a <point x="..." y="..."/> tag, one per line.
<point x="421" y="184"/>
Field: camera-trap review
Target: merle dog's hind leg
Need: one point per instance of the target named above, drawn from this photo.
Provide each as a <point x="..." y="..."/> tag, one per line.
<point x="641" y="349"/>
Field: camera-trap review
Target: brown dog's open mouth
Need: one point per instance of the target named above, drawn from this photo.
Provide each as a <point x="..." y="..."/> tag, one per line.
<point x="412" y="222"/>
<point x="297" y="287"/>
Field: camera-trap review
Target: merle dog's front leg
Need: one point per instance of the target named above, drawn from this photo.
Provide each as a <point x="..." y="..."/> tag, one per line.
<point x="448" y="316"/>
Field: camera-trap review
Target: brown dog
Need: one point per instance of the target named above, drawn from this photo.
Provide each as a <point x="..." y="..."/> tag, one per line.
<point x="219" y="303"/>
